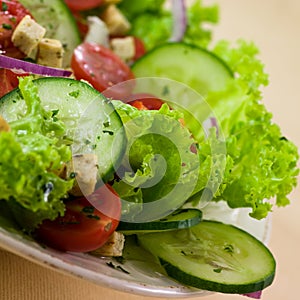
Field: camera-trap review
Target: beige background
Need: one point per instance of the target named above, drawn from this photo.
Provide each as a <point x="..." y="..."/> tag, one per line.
<point x="275" y="27"/>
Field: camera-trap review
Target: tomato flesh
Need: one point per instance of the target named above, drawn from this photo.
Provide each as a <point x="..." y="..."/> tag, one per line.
<point x="83" y="227"/>
<point x="8" y="81"/>
<point x="144" y="101"/>
<point x="11" y="13"/>
<point x="83" y="4"/>
<point x="102" y="68"/>
<point x="140" y="49"/>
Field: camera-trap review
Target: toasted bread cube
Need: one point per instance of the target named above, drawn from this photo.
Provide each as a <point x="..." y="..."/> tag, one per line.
<point x="124" y="47"/>
<point x="50" y="53"/>
<point x="116" y="22"/>
<point x="3" y="125"/>
<point x="27" y="36"/>
<point x="84" y="168"/>
<point x="98" y="32"/>
<point x="113" y="247"/>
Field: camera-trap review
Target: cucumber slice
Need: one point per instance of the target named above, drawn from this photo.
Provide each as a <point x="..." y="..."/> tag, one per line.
<point x="213" y="256"/>
<point x="191" y="65"/>
<point x="92" y="124"/>
<point x="60" y="24"/>
<point x="180" y="219"/>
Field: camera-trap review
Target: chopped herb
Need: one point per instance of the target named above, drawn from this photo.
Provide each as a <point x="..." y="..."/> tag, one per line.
<point x="6" y="26"/>
<point x="94" y="146"/>
<point x="165" y="91"/>
<point x="229" y="248"/>
<point x="4" y="6"/>
<point x="72" y="175"/>
<point x="219" y="270"/>
<point x="54" y="112"/>
<point x="182" y="252"/>
<point x="108" y="131"/>
<point x="106" y="124"/>
<point x="29" y="59"/>
<point x="13" y="19"/>
<point x="87" y="142"/>
<point x="122" y="269"/>
<point x="93" y="217"/>
<point x="88" y="209"/>
<point x="120" y="259"/>
<point x="110" y="264"/>
<point x="74" y="94"/>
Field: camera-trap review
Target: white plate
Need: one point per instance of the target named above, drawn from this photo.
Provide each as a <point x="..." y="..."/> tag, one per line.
<point x="136" y="274"/>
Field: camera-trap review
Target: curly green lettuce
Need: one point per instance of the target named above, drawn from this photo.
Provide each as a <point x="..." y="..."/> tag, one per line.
<point x="264" y="160"/>
<point x="31" y="157"/>
<point x="158" y="164"/>
<point x="153" y="23"/>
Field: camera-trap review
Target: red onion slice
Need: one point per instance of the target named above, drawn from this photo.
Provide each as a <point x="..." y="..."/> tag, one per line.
<point x="179" y="20"/>
<point x="21" y="66"/>
<point x="255" y="295"/>
<point x="210" y="123"/>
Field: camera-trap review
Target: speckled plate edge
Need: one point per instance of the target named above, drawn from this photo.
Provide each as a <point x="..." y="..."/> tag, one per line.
<point x="141" y="279"/>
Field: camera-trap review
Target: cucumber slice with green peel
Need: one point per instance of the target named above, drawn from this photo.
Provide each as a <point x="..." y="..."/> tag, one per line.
<point x="58" y="21"/>
<point x="196" y="67"/>
<point x="182" y="218"/>
<point x="213" y="256"/>
<point x="92" y="124"/>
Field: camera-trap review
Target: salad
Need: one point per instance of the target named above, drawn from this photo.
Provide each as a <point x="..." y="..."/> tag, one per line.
<point x="121" y="121"/>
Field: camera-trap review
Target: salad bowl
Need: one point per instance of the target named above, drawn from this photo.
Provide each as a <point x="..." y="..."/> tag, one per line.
<point x="136" y="273"/>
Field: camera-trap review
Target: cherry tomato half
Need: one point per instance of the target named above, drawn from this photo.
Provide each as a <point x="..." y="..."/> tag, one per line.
<point x="83" y="228"/>
<point x="144" y="101"/>
<point x="102" y="68"/>
<point x="11" y="13"/>
<point x="83" y="4"/>
<point x="140" y="49"/>
<point x="8" y="81"/>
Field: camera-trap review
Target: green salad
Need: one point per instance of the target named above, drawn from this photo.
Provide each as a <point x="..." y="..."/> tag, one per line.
<point x="140" y="125"/>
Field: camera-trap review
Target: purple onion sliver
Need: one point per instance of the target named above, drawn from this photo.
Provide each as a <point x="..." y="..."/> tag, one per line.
<point x="28" y="67"/>
<point x="254" y="295"/>
<point x="179" y="20"/>
<point x="209" y="123"/>
<point x="214" y="123"/>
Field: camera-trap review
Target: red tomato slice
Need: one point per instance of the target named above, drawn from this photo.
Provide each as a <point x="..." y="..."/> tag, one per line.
<point x="83" y="4"/>
<point x="144" y="101"/>
<point x="83" y="228"/>
<point x="8" y="81"/>
<point x="140" y="49"/>
<point x="102" y="68"/>
<point x="11" y="13"/>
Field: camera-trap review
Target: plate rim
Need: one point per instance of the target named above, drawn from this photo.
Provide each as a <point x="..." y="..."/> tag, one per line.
<point x="47" y="257"/>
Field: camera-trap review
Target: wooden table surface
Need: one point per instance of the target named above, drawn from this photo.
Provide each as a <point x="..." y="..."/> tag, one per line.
<point x="274" y="25"/>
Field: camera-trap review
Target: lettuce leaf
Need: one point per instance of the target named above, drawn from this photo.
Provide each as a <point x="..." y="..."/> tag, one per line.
<point x="152" y="22"/>
<point x="30" y="160"/>
<point x="264" y="162"/>
<point x="158" y="171"/>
